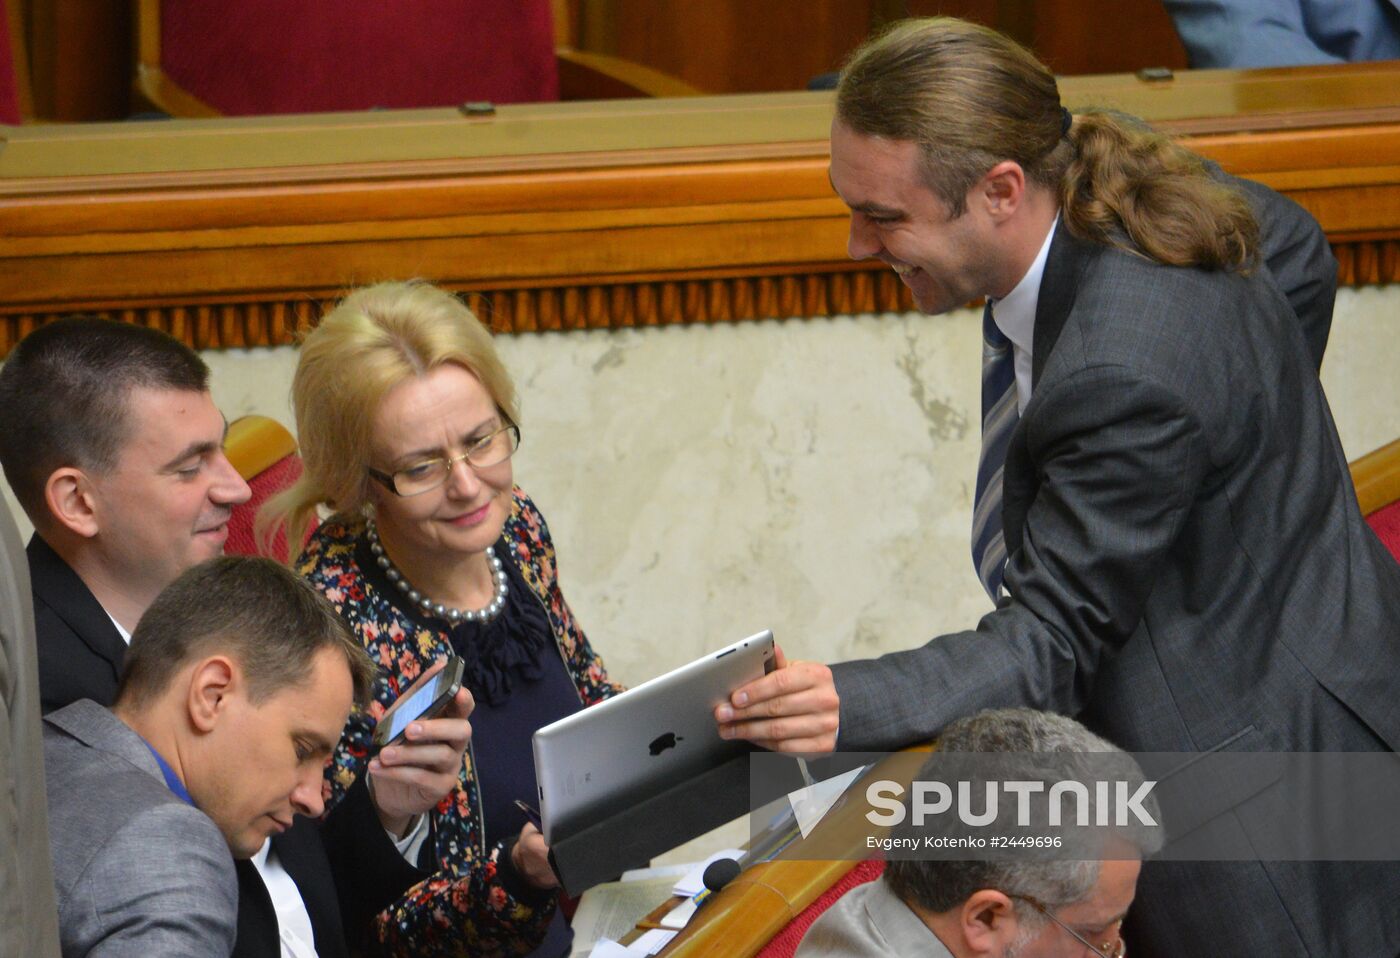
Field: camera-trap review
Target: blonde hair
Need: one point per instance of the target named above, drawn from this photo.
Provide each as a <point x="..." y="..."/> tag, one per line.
<point x="374" y="339"/>
<point x="971" y="98"/>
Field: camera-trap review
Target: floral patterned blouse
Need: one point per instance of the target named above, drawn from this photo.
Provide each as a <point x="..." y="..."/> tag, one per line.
<point x="473" y="904"/>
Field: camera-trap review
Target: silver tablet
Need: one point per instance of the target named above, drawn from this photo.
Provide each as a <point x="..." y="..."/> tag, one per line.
<point x="635" y="745"/>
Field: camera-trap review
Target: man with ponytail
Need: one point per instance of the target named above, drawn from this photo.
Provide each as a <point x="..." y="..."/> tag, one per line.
<point x="1163" y="516"/>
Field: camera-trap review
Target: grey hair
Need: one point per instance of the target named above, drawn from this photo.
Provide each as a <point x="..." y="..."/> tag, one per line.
<point x="940" y="885"/>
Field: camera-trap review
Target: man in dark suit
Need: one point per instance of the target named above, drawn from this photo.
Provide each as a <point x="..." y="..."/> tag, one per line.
<point x="237" y="684"/>
<point x="113" y="446"/>
<point x="1163" y="514"/>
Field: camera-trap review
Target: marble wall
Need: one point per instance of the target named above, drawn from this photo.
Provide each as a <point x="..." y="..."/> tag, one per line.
<point x="808" y="476"/>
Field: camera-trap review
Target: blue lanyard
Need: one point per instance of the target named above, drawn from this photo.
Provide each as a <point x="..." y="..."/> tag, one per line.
<point x="172" y="780"/>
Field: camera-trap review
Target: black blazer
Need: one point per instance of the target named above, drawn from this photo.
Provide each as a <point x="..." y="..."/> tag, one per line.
<point x="80" y="650"/>
<point x="346" y="868"/>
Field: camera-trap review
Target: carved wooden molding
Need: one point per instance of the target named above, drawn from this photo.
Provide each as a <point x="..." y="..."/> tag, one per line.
<point x="278" y="321"/>
<point x="1368" y="263"/>
<point x="850" y="291"/>
<point x="234" y="233"/>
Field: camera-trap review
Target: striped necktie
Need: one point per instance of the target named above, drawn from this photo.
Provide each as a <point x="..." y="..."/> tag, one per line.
<point x="999" y="418"/>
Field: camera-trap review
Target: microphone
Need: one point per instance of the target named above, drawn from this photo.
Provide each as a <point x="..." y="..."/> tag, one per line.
<point x="719" y="873"/>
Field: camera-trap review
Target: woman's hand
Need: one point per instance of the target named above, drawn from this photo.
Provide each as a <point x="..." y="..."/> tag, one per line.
<point x="530" y="856"/>
<point x="410" y="778"/>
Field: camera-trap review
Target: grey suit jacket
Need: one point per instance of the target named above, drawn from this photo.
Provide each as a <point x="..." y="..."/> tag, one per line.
<point x="138" y="871"/>
<point x="27" y="923"/>
<point x="1188" y="571"/>
<point x="870" y="921"/>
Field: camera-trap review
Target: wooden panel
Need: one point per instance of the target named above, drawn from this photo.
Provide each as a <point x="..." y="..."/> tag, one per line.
<point x="80" y="58"/>
<point x="1076" y="37"/>
<point x="565" y="216"/>
<point x="730" y="46"/>
<point x="1377" y="478"/>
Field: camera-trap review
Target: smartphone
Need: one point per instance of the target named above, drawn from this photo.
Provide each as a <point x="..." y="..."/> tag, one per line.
<point x="424" y="699"/>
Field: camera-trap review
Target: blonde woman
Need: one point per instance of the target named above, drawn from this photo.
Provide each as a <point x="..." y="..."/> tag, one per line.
<point x="407" y="423"/>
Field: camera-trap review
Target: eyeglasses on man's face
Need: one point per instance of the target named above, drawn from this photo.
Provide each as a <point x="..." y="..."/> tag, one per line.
<point x="1114" y="948"/>
<point x="425" y="475"/>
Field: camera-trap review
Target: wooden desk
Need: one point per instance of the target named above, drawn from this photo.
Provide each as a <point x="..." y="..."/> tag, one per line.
<point x="760" y="902"/>
<point x="232" y="232"/>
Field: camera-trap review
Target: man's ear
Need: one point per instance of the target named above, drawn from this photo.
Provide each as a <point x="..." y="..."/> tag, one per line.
<point x="1002" y="189"/>
<point x="987" y="922"/>
<point x="213" y="683"/>
<point x="70" y="497"/>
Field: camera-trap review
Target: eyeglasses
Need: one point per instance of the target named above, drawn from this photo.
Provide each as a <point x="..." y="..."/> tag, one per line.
<point x="425" y="475"/>
<point x="1116" y="948"/>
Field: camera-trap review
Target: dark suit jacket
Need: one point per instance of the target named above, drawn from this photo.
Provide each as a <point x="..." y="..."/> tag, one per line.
<point x="1188" y="570"/>
<point x="80" y="650"/>
<point x="346" y="868"/>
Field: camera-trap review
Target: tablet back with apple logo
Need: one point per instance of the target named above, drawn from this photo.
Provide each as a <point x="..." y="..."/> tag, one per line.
<point x="636" y="744"/>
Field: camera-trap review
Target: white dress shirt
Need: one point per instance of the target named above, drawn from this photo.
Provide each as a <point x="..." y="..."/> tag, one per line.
<point x="126" y="636"/>
<point x="293" y="920"/>
<point x="1014" y="315"/>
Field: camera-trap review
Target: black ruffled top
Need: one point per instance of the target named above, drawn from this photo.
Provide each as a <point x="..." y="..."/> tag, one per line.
<point x="497" y="656"/>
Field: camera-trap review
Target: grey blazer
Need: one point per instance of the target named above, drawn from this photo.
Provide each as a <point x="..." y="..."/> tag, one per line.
<point x="138" y="871"/>
<point x="1188" y="571"/>
<point x="27" y="923"/>
<point x="870" y="921"/>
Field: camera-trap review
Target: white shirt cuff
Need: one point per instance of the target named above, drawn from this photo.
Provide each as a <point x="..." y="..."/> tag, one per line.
<point x="411" y="844"/>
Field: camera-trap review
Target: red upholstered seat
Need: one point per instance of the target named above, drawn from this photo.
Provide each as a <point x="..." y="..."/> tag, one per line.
<point x="264" y="453"/>
<point x="265" y="484"/>
<point x="1386" y="523"/>
<point x="785" y="942"/>
<point x="1376" y="477"/>
<point x="9" y="75"/>
<point x="270" y="56"/>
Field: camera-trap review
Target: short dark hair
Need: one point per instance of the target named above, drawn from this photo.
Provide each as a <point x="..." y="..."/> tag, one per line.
<point x="254" y="609"/>
<point x="64" y="391"/>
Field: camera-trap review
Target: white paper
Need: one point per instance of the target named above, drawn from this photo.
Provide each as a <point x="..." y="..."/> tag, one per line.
<point x="694" y="881"/>
<point x="650" y="942"/>
<point x="679" y="916"/>
<point x="660" y="871"/>
<point x="613" y="909"/>
<point x="810" y="804"/>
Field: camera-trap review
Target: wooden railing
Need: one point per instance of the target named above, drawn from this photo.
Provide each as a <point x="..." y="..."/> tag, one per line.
<point x="564" y="216"/>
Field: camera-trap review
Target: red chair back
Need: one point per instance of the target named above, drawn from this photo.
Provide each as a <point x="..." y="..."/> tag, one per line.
<point x="1386" y="523"/>
<point x="785" y="942"/>
<point x="264" y="453"/>
<point x="10" y="66"/>
<point x="270" y="56"/>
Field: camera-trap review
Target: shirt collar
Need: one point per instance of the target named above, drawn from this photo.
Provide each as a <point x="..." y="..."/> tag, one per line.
<point x="1014" y="313"/>
<point x="126" y="636"/>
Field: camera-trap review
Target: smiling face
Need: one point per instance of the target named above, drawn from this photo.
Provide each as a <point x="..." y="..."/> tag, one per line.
<point x="264" y="761"/>
<point x="946" y="262"/>
<point x="165" y="505"/>
<point x="439" y="414"/>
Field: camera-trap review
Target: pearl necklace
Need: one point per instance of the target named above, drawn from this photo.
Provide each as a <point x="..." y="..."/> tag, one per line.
<point x="483" y="615"/>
